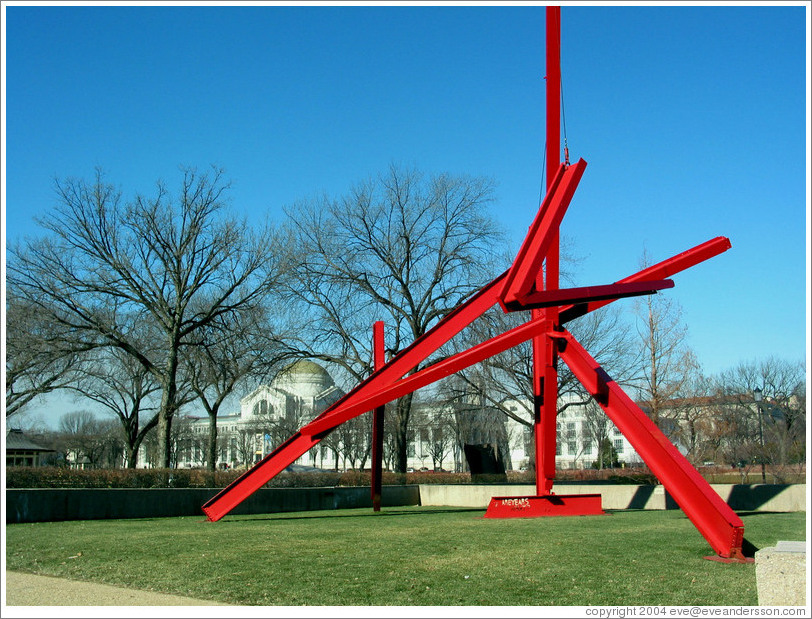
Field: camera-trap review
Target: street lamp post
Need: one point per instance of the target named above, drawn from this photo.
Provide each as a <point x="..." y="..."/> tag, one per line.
<point x="757" y="397"/>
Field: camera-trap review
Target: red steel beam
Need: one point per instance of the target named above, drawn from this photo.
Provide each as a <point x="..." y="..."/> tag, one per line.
<point x="661" y="270"/>
<point x="287" y="453"/>
<point x="379" y="358"/>
<point x="714" y="518"/>
<point x="553" y="103"/>
<point x="253" y="479"/>
<point x="545" y="405"/>
<point x="586" y="294"/>
<point x="543" y="231"/>
<point x="545" y="373"/>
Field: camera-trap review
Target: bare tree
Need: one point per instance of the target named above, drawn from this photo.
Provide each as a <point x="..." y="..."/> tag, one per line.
<point x="244" y="440"/>
<point x="354" y="443"/>
<point x="665" y="359"/>
<point x="692" y="415"/>
<point x="91" y="440"/>
<point x="596" y="429"/>
<point x="230" y="349"/>
<point x="439" y="423"/>
<point x="38" y="359"/>
<point x="183" y="442"/>
<point x="506" y="379"/>
<point x="770" y="430"/>
<point x="403" y="248"/>
<point x="177" y="262"/>
<point x="117" y="381"/>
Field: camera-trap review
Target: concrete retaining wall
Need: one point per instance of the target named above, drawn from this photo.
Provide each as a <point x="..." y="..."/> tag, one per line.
<point x="742" y="497"/>
<point x="45" y="505"/>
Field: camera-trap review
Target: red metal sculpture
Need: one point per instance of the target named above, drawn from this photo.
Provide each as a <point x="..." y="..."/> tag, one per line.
<point x="531" y="284"/>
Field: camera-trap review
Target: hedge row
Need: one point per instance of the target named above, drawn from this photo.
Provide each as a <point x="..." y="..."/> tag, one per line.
<point x="58" y="477"/>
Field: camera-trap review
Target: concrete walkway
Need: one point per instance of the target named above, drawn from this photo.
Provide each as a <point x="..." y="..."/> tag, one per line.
<point x="32" y="590"/>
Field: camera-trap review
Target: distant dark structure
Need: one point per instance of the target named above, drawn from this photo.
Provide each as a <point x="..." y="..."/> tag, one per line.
<point x="21" y="451"/>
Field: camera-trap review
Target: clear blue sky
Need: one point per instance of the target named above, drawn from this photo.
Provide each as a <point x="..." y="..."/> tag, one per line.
<point x="692" y="120"/>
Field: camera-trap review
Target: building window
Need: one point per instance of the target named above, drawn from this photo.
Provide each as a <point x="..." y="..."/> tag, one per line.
<point x="22" y="458"/>
<point x="617" y="432"/>
<point x="572" y="448"/>
<point x="261" y="408"/>
<point x="619" y="445"/>
<point x="587" y="448"/>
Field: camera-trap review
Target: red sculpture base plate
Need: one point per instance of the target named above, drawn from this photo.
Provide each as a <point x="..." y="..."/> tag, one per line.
<point x="545" y="505"/>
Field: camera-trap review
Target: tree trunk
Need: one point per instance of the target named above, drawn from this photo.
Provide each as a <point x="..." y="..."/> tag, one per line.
<point x="132" y="451"/>
<point x="164" y="429"/>
<point x="168" y="405"/>
<point x="133" y="443"/>
<point x="132" y="456"/>
<point x="212" y="446"/>
<point x="162" y="452"/>
<point x="402" y="413"/>
<point x="653" y="378"/>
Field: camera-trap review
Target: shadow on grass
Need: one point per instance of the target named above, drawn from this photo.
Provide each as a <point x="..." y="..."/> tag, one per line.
<point x="758" y="513"/>
<point x="337" y="514"/>
<point x="748" y="548"/>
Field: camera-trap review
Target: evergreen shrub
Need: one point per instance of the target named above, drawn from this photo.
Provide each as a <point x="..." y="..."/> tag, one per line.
<point x="61" y="477"/>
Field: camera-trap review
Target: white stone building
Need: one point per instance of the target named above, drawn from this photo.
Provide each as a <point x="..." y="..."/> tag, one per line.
<point x="272" y="413"/>
<point x="579" y="430"/>
<point x="267" y="416"/>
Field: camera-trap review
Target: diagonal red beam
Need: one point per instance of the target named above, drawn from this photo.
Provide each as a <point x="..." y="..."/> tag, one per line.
<point x="586" y="294"/>
<point x="714" y="518"/>
<point x="287" y="453"/>
<point x="543" y="231"/>
<point x="661" y="270"/>
<point x="426" y="376"/>
<point x="257" y="476"/>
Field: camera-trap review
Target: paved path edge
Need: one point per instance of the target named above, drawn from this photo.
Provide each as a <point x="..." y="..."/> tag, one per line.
<point x="24" y="589"/>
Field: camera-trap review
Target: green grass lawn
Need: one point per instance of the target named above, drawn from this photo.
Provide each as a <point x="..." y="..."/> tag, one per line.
<point x="404" y="557"/>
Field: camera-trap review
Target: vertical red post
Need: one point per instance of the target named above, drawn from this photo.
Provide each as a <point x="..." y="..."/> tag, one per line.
<point x="553" y="155"/>
<point x="545" y="376"/>
<point x="378" y="355"/>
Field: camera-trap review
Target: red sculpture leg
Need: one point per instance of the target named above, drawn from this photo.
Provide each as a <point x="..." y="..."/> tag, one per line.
<point x="287" y="453"/>
<point x="545" y="375"/>
<point x="253" y="479"/>
<point x="377" y="422"/>
<point x="714" y="518"/>
<point x="545" y="407"/>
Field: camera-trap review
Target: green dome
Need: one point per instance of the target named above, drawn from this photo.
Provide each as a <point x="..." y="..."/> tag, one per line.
<point x="305" y="366"/>
<point x="304" y="379"/>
